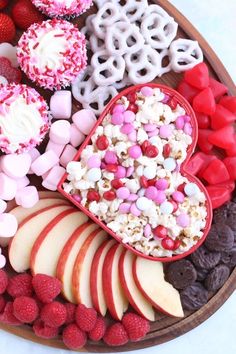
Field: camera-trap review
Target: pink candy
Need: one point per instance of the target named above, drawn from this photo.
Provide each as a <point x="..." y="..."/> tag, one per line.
<point x="127" y="128"/>
<point x="135" y="151"/>
<point x="124" y="208"/>
<point x="61" y="104"/>
<point x="146" y="91"/>
<point x="119" y="108"/>
<point x="160" y="198"/>
<point x="67" y="155"/>
<point x="133" y="136"/>
<point x="16" y="166"/>
<point x="121" y="172"/>
<point x="123" y="193"/>
<point x="27" y="197"/>
<point x="76" y="137"/>
<point x="44" y="162"/>
<point x="188" y="129"/>
<point x="8" y="187"/>
<point x="60" y="132"/>
<point x="110" y="157"/>
<point x="84" y="120"/>
<point x="53" y="178"/>
<point x="130" y="171"/>
<point x="151" y="193"/>
<point x="150" y="127"/>
<point x="56" y="148"/>
<point x="147" y="230"/>
<point x="183" y="220"/>
<point x="94" y="162"/>
<point x="134" y="210"/>
<point x="165" y="131"/>
<point x="178" y="197"/>
<point x="179" y="123"/>
<point x="162" y="184"/>
<point x="117" y="118"/>
<point x="129" y="117"/>
<point x="8" y="225"/>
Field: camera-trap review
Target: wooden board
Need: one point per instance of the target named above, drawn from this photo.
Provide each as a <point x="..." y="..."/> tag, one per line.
<point x="165" y="328"/>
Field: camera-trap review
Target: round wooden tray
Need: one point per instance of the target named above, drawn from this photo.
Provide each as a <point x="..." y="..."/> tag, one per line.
<point x="164" y="328"/>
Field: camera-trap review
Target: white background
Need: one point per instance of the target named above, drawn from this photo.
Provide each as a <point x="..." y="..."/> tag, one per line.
<point x="216" y="20"/>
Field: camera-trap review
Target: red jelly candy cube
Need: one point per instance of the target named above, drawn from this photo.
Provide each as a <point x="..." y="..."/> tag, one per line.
<point x="223" y="138"/>
<point x="204" y="102"/>
<point x="218" y="89"/>
<point x="219" y="195"/>
<point x="229" y="102"/>
<point x="203" y="120"/>
<point x="216" y="172"/>
<point x="230" y="163"/>
<point x="187" y="91"/>
<point x="203" y="143"/>
<point x="232" y="151"/>
<point x="221" y="117"/>
<point x="198" y="76"/>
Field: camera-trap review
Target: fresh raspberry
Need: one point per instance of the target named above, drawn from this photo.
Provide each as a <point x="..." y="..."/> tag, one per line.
<point x="116" y="335"/>
<point x="24" y="14"/>
<point x="12" y="75"/>
<point x="43" y="331"/>
<point x="54" y="314"/>
<point x="2" y="303"/>
<point x="8" y="317"/>
<point x="98" y="330"/>
<point x="3" y="281"/>
<point x="46" y="287"/>
<point x="70" y="313"/>
<point x="73" y="337"/>
<point x="85" y="317"/>
<point x="25" y="309"/>
<point x="3" y="4"/>
<point x="20" y="285"/>
<point x="7" y="28"/>
<point x="136" y="326"/>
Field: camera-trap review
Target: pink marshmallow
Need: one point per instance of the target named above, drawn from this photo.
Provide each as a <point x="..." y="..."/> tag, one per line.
<point x="16" y="166"/>
<point x="44" y="162"/>
<point x="53" y="178"/>
<point x="67" y="155"/>
<point x="61" y="104"/>
<point x="8" y="225"/>
<point x="84" y="120"/>
<point x="57" y="148"/>
<point x="8" y="187"/>
<point x="22" y="182"/>
<point x="60" y="132"/>
<point x="34" y="153"/>
<point x="27" y="197"/>
<point x="76" y="137"/>
<point x="3" y="206"/>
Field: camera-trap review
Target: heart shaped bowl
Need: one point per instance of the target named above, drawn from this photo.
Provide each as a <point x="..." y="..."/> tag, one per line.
<point x="174" y="98"/>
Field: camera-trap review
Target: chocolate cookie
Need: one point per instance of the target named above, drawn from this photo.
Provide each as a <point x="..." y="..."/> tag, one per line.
<point x="226" y="215"/>
<point x="220" y="238"/>
<point x="201" y="274"/>
<point x="181" y="274"/>
<point x="217" y="277"/>
<point x="194" y="297"/>
<point x="203" y="258"/>
<point x="229" y="258"/>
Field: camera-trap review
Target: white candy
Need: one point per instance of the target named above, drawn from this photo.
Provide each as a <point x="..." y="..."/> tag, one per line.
<point x="169" y="164"/>
<point x="150" y="172"/>
<point x="3" y="206"/>
<point x="191" y="189"/>
<point x="166" y="208"/>
<point x="94" y="174"/>
<point x="143" y="203"/>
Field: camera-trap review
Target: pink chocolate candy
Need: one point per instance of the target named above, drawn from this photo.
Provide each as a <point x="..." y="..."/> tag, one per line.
<point x="8" y="187"/>
<point x="61" y="104"/>
<point x="67" y="155"/>
<point x="16" y="166"/>
<point x="8" y="225"/>
<point x="44" y="162"/>
<point x="60" y="132"/>
<point x="53" y="178"/>
<point x="3" y="206"/>
<point x="27" y="197"/>
<point x="84" y="120"/>
<point x="76" y="137"/>
<point x="57" y="148"/>
<point x="22" y="182"/>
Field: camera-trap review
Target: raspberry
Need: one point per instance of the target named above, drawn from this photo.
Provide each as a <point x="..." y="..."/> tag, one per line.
<point x="46" y="287"/>
<point x="8" y="317"/>
<point x="9" y="72"/>
<point x="73" y="337"/>
<point x="136" y="326"/>
<point x="3" y="281"/>
<point x="20" y="285"/>
<point x="53" y="314"/>
<point x="85" y="317"/>
<point x="43" y="331"/>
<point x="70" y="313"/>
<point x="98" y="330"/>
<point x="25" y="309"/>
<point x="116" y="335"/>
<point x="2" y="303"/>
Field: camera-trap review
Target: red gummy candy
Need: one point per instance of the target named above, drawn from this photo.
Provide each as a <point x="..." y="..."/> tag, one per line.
<point x="198" y="76"/>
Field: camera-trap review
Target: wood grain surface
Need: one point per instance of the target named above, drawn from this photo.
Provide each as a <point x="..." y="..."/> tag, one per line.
<point x="164" y="328"/>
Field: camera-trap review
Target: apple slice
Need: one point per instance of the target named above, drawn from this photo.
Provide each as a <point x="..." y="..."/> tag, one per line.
<point x="51" y="241"/>
<point x="21" y="245"/>
<point x="21" y="213"/>
<point x="68" y="256"/>
<point x="82" y="267"/>
<point x="133" y="294"/>
<point x="114" y="295"/>
<point x="97" y="293"/>
<point x="149" y="277"/>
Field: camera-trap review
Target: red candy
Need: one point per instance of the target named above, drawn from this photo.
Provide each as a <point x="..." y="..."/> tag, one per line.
<point x="117" y="183"/>
<point x="152" y="182"/>
<point x="223" y="138"/>
<point x="144" y="145"/>
<point x="189" y="92"/>
<point x="151" y="151"/>
<point x="204" y="102"/>
<point x="229" y="102"/>
<point x="218" y="89"/>
<point x="232" y="151"/>
<point x="175" y="205"/>
<point x="216" y="172"/>
<point x="102" y="142"/>
<point x="230" y="164"/>
<point x="109" y="195"/>
<point x="93" y="196"/>
<point x="132" y="97"/>
<point x="112" y="168"/>
<point x="133" y="107"/>
<point x="168" y="244"/>
<point x="203" y="143"/>
<point x="160" y="231"/>
<point x="198" y="76"/>
<point x="172" y="103"/>
<point x="166" y="150"/>
<point x="203" y="120"/>
<point x="221" y="117"/>
<point x="219" y="195"/>
<point x="144" y="182"/>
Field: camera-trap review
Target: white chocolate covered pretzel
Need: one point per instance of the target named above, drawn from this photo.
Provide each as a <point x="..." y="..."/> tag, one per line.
<point x="134" y="9"/>
<point x="99" y="98"/>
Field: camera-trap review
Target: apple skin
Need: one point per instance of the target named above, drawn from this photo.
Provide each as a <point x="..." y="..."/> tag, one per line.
<point x="127" y="290"/>
<point x="43" y="235"/>
<point x="154" y="304"/>
<point x="94" y="276"/>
